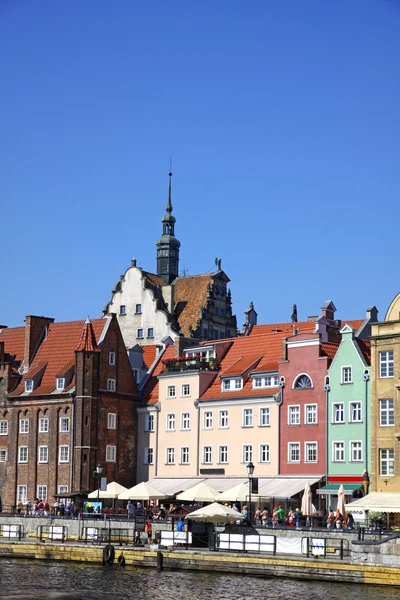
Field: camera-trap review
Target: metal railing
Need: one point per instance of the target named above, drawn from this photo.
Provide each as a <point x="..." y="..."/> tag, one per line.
<point x="12" y="531"/>
<point x="52" y="533"/>
<point x="105" y="535"/>
<point x="174" y="538"/>
<point x="245" y="543"/>
<point x="325" y="547"/>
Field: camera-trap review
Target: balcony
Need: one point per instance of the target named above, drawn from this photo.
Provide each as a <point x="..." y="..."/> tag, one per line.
<point x="193" y="363"/>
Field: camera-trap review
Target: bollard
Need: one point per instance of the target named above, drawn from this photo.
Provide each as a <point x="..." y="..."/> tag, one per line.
<point x="160" y="559"/>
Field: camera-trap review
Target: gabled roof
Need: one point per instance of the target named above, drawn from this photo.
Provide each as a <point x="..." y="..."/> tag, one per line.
<point x="329" y="349"/>
<point x="56" y="352"/>
<point x="284" y="328"/>
<point x="149" y="354"/>
<point x="241" y="365"/>
<point x="150" y="390"/>
<point x="14" y="341"/>
<point x="190" y="297"/>
<point x="88" y="339"/>
<point x="365" y="349"/>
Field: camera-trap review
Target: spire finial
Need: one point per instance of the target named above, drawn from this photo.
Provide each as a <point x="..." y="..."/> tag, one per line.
<point x="169" y="203"/>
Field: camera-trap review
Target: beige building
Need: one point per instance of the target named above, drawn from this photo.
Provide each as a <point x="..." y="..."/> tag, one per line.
<point x="385" y="402"/>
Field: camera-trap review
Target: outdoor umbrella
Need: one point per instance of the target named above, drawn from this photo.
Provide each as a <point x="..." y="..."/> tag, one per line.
<point x="200" y="492"/>
<point x="341" y="503"/>
<point x="306" y="503"/>
<point x="239" y="493"/>
<point x="215" y="513"/>
<point x="142" y="491"/>
<point x="113" y="490"/>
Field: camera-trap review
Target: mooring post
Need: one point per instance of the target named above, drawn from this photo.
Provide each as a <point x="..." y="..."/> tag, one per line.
<point x="160" y="559"/>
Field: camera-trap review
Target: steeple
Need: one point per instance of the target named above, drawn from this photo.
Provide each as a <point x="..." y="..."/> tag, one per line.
<point x="167" y="245"/>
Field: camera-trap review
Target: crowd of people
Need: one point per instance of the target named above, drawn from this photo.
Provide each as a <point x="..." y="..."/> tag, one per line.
<point x="42" y="508"/>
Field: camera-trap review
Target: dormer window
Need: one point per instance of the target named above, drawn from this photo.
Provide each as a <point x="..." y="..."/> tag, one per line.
<point x="266" y="381"/>
<point x="232" y="384"/>
<point x="60" y="383"/>
<point x="28" y="385"/>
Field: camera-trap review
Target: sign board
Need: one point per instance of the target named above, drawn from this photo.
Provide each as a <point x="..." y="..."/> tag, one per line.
<point x="103" y="484"/>
<point x="254" y="485"/>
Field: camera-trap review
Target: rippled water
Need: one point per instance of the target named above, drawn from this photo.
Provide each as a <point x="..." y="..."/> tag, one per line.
<point x="43" y="580"/>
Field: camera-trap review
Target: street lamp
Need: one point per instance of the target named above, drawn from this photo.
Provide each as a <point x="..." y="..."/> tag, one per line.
<point x="250" y="471"/>
<point x="97" y="475"/>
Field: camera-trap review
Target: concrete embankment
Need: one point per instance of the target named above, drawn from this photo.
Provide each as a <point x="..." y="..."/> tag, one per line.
<point x="266" y="566"/>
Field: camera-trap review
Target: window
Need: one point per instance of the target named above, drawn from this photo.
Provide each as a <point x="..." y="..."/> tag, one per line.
<point x="247" y="417"/>
<point x="171" y="422"/>
<point x="338" y="451"/>
<point x="3" y="455"/>
<point x="226" y="385"/>
<point x="23" y="454"/>
<point x="338" y="413"/>
<point x="223" y="455"/>
<point x="247" y="454"/>
<point x="138" y="309"/>
<point x="223" y="419"/>
<point x="42" y="492"/>
<point x="386" y="413"/>
<point x="170" y="457"/>
<point x="43" y="454"/>
<point x="185" y="421"/>
<point x="112" y="421"/>
<point x="232" y="384"/>
<point x="64" y="424"/>
<point x="184" y="455"/>
<point x="63" y="456"/>
<point x="311" y="411"/>
<point x="148" y="456"/>
<point x="303" y="382"/>
<point x="140" y="333"/>
<point x="110" y="385"/>
<point x="21" y="494"/>
<point x="238" y="384"/>
<point x="122" y="309"/>
<point x="185" y="390"/>
<point x="208" y="420"/>
<point x="149" y="423"/>
<point x="150" y="332"/>
<point x="294" y="415"/>
<point x="207" y="455"/>
<point x="28" y="385"/>
<point x="311" y="454"/>
<point x="60" y="383"/>
<point x="62" y="489"/>
<point x="265" y="417"/>
<point x="111" y="358"/>
<point x="356" y="451"/>
<point x="346" y="375"/>
<point x="355" y="412"/>
<point x="294" y="452"/>
<point x="3" y="427"/>
<point x="386" y="364"/>
<point x="23" y="425"/>
<point x="171" y="391"/>
<point x="136" y="375"/>
<point x="387" y="461"/>
<point x="43" y="425"/>
<point x="264" y="382"/>
<point x="264" y="453"/>
<point x="111" y="453"/>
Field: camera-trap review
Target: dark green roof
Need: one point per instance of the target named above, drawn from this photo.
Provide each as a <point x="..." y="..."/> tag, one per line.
<point x="333" y="488"/>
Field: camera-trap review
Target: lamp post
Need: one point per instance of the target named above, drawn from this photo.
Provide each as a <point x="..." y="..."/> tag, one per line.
<point x="97" y="475"/>
<point x="250" y="471"/>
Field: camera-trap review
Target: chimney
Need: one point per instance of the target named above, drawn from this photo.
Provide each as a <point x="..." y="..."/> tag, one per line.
<point x="251" y="319"/>
<point x="284" y="349"/>
<point x="1" y="353"/>
<point x="168" y="295"/>
<point x="328" y="310"/>
<point x="133" y="262"/>
<point x="35" y="328"/>
<point x="372" y="314"/>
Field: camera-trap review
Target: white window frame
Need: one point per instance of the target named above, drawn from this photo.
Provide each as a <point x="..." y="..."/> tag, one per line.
<point x="62" y="489"/>
<point x="170" y="422"/>
<point x="265" y="381"/>
<point x="39" y="492"/>
<point x="266" y="449"/>
<point x="291" y="411"/>
<point x="232" y="385"/>
<point x="247" y="418"/>
<point x="334" y="405"/>
<point x="247" y="453"/>
<point x="389" y="462"/>
<point x="388" y="364"/>
<point x="111" y="358"/>
<point x="21" y="428"/>
<point x="185" y="421"/>
<point x="351" y="405"/>
<point x="22" y="493"/>
<point x="345" y="371"/>
<point x="171" y="391"/>
<point x="307" y="448"/>
<point x="353" y="450"/>
<point x="111" y="453"/>
<point x="185" y="387"/>
<point x="389" y="412"/>
<point x="265" y="411"/>
<point x="111" y="420"/>
<point x="61" y="451"/>
<point x="207" y="455"/>
<point x="336" y="450"/>
<point x="149" y="423"/>
<point x="60" y="383"/>
<point x="223" y="454"/>
<point x="170" y="455"/>
<point x="148" y="455"/>
<point x="64" y="420"/>
<point x="28" y="386"/>
<point x="185" y="455"/>
<point x="292" y="446"/>
<point x="43" y="425"/>
<point x="222" y="416"/>
<point x="3" y="427"/>
<point x="3" y="453"/>
<point x="208" y="420"/>
<point x="307" y="410"/>
<point x="45" y="458"/>
<point x="111" y="385"/>
<point x="23" y="450"/>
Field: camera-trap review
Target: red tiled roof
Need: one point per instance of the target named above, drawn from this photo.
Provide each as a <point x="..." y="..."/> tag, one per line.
<point x="356" y="323"/>
<point x="284" y="328"/>
<point x="149" y="354"/>
<point x="88" y="339"/>
<point x="190" y="298"/>
<point x="243" y="364"/>
<point x="14" y="341"/>
<point x="150" y="390"/>
<point x="329" y="349"/>
<point x="154" y="279"/>
<point x="365" y="348"/>
<point x="57" y="350"/>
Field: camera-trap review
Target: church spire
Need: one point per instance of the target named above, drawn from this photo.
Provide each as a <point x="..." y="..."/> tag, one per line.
<point x="169" y="203"/>
<point x="167" y="244"/>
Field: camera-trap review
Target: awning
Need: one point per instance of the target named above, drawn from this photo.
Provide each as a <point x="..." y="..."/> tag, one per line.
<point x="332" y="488"/>
<point x="377" y="502"/>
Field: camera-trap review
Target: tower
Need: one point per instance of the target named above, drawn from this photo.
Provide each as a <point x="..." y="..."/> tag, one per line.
<point x="167" y="245"/>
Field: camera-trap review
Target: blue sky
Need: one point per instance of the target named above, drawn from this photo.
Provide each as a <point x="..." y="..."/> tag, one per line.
<point x="282" y="118"/>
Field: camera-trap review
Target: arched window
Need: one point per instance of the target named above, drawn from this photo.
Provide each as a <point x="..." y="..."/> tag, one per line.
<point x="303" y="382"/>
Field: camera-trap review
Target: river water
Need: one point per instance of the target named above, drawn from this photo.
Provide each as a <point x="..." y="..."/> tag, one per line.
<point x="27" y="579"/>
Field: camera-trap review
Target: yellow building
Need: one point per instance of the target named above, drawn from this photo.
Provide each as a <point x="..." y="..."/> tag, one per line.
<point x="385" y="402"/>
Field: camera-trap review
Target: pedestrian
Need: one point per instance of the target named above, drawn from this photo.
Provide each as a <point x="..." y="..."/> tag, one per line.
<point x="350" y="521"/>
<point x="131" y="509"/>
<point x="275" y="519"/>
<point x="291" y="517"/>
<point x="297" y="517"/>
<point x="264" y="517"/>
<point x="281" y="515"/>
<point x="28" y="507"/>
<point x="330" y="520"/>
<point x="19" y="507"/>
<point x="46" y="509"/>
<point x="257" y="514"/>
<point x="147" y="529"/>
<point x="180" y="525"/>
<point x="338" y="519"/>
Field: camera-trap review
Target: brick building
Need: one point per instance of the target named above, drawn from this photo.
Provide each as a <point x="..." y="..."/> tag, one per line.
<point x="68" y="402"/>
